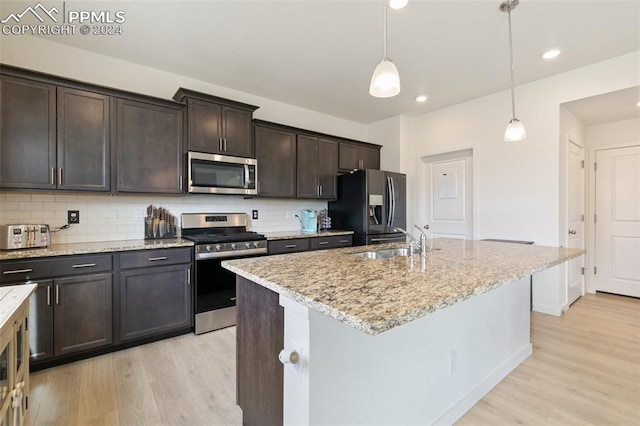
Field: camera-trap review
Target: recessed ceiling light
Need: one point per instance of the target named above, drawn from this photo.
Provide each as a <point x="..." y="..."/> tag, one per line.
<point x="638" y="104"/>
<point x="550" y="54"/>
<point x="421" y="98"/>
<point x="397" y="4"/>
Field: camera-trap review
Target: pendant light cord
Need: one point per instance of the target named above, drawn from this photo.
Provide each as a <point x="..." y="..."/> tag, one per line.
<point x="384" y="4"/>
<point x="513" y="96"/>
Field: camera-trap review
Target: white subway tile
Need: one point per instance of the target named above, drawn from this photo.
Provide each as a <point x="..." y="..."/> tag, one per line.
<point x="54" y="205"/>
<point x="30" y="205"/>
<point x="43" y="197"/>
<point x="66" y="198"/>
<point x="17" y="197"/>
<point x="77" y="239"/>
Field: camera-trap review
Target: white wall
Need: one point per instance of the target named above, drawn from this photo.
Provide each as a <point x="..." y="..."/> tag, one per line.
<point x="518" y="192"/>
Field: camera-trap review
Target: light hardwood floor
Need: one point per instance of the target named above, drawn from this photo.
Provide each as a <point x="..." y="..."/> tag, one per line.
<point x="585" y="369"/>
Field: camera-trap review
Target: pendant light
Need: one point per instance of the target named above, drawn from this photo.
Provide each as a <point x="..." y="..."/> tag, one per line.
<point x="385" y="81"/>
<point x="515" y="129"/>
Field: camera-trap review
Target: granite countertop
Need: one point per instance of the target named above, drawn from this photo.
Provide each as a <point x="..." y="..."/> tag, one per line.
<point x="11" y="297"/>
<point x="95" y="247"/>
<point x="289" y="235"/>
<point x="375" y="295"/>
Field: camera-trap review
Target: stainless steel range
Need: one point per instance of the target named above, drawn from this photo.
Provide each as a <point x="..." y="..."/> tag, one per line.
<point x="218" y="237"/>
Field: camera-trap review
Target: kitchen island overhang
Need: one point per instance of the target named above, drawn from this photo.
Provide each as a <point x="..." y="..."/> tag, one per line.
<point x="391" y="343"/>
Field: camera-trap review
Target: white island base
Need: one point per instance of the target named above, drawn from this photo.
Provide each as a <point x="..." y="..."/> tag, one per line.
<point x="428" y="371"/>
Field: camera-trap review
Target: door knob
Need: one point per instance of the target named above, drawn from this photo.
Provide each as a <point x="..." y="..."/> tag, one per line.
<point x="572" y="232"/>
<point x="288" y="357"/>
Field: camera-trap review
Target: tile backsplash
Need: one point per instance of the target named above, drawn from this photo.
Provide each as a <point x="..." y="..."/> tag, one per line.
<point x="112" y="218"/>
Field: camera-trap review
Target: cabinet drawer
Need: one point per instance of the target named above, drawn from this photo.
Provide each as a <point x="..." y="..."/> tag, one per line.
<point x="143" y="258"/>
<point x="25" y="270"/>
<point x="288" y="246"/>
<point x="321" y="243"/>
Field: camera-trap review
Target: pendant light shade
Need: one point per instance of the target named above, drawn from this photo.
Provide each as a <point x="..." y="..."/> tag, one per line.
<point x="515" y="129"/>
<point x="385" y="81"/>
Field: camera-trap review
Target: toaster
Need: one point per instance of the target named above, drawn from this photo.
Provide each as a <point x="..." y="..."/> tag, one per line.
<point x="24" y="236"/>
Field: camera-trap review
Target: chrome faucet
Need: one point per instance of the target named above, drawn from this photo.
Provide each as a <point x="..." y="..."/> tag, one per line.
<point x="421" y="245"/>
<point x="423" y="240"/>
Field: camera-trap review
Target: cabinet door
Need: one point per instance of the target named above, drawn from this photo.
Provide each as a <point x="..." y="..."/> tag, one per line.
<point x="238" y="140"/>
<point x="370" y="158"/>
<point x="276" y="154"/>
<point x="328" y="168"/>
<point x="149" y="142"/>
<point x="84" y="160"/>
<point x="41" y="322"/>
<point x="307" y="162"/>
<point x="27" y="134"/>
<point x="349" y="157"/>
<point x="204" y="126"/>
<point x="82" y="313"/>
<point x="154" y="301"/>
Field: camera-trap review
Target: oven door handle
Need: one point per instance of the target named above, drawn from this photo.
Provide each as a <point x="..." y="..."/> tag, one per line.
<point x="232" y="254"/>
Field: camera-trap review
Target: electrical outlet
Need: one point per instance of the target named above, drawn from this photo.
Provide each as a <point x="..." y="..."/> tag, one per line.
<point x="73" y="216"/>
<point x="254" y="214"/>
<point x="289" y="215"/>
<point x="453" y="361"/>
<point x="138" y="216"/>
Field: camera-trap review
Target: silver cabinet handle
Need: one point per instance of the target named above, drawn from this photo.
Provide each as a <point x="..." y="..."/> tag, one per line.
<point x="154" y="259"/>
<point x="57" y="294"/>
<point x="225" y="144"/>
<point x="323" y="243"/>
<point x="53" y="176"/>
<point x="233" y="299"/>
<point x="60" y="176"/>
<point x="84" y="265"/>
<point x="343" y="241"/>
<point x="17" y="271"/>
<point x="572" y="232"/>
<point x="291" y="246"/>
<point x="180" y="182"/>
<point x="189" y="276"/>
<point x="48" y="295"/>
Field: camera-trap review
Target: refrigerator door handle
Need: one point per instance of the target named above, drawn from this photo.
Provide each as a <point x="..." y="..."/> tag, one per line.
<point x="393" y="194"/>
<point x="390" y="202"/>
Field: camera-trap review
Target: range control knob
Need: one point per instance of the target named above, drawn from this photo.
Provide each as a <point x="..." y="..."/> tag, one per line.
<point x="233" y="246"/>
<point x="247" y="245"/>
<point x="207" y="248"/>
<point x="218" y="247"/>
<point x="256" y="244"/>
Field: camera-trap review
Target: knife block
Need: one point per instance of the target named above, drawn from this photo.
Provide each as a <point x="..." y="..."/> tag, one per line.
<point x="155" y="229"/>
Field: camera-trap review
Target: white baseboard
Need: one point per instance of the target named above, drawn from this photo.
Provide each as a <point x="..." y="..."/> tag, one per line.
<point x="549" y="310"/>
<point x="475" y="395"/>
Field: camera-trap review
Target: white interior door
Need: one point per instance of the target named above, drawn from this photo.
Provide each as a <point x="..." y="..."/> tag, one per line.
<point x="449" y="194"/>
<point x="575" y="220"/>
<point x="617" y="242"/>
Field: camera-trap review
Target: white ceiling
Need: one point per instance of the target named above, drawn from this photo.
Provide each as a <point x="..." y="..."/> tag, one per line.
<point x="320" y="54"/>
<point x="613" y="106"/>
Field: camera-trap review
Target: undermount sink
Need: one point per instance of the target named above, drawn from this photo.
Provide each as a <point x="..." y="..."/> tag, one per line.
<point x="384" y="254"/>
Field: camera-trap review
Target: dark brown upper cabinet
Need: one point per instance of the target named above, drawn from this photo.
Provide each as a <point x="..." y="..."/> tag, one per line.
<point x="53" y="137"/>
<point x="358" y="156"/>
<point x="317" y="167"/>
<point x="27" y="134"/>
<point x="149" y="143"/>
<point x="84" y="157"/>
<point x="215" y="125"/>
<point x="276" y="155"/>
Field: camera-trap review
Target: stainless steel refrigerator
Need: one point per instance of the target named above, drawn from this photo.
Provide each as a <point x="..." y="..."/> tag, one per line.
<point x="371" y="203"/>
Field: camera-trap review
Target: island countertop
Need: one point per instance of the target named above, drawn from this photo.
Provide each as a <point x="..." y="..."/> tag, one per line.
<point x="375" y="295"/>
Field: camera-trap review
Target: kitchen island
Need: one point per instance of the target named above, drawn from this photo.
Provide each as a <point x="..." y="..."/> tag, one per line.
<point x="380" y="341"/>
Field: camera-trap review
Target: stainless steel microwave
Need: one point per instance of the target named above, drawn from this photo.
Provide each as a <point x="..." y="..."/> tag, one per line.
<point x="221" y="174"/>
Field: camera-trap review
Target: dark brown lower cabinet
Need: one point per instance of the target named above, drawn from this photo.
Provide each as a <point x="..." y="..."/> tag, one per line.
<point x="154" y="300"/>
<point x="260" y="337"/>
<point x="82" y="316"/>
<point x="69" y="315"/>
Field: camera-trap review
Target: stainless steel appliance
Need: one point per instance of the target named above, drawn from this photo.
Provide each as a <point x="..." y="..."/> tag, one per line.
<point x="221" y="174"/>
<point x="24" y="236"/>
<point x="371" y="203"/>
<point x="218" y="237"/>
